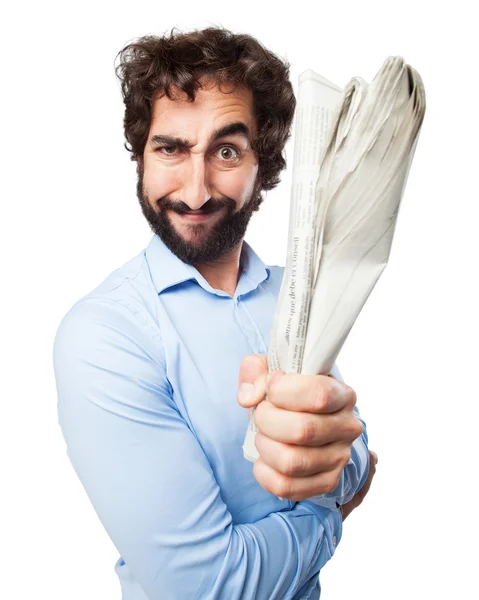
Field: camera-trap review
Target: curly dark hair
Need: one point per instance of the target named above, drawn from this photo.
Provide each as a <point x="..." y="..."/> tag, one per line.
<point x="150" y="66"/>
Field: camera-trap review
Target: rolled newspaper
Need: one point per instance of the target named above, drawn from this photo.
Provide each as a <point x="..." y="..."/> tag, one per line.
<point x="352" y="154"/>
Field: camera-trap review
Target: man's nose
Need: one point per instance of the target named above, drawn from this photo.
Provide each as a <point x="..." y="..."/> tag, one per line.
<point x="195" y="190"/>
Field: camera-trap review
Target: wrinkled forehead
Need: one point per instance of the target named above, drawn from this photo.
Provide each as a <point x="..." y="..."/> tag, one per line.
<point x="214" y="105"/>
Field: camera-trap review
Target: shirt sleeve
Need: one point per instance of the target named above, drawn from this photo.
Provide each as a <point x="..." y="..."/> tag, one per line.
<point x="149" y="480"/>
<point x="354" y="473"/>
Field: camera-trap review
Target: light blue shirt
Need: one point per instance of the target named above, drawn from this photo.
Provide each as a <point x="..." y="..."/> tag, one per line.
<point x="146" y="368"/>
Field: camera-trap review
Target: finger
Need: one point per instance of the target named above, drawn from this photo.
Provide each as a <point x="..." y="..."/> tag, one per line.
<point x="252" y="380"/>
<point x="309" y="393"/>
<point x="296" y="461"/>
<point x="294" y="488"/>
<point x="306" y="429"/>
<point x="251" y="367"/>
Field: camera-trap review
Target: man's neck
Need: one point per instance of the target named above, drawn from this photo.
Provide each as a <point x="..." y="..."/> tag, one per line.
<point x="224" y="273"/>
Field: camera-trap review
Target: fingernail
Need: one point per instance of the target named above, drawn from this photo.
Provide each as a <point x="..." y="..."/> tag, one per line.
<point x="245" y="393"/>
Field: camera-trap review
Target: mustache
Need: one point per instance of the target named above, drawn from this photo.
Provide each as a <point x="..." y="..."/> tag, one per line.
<point x="210" y="206"/>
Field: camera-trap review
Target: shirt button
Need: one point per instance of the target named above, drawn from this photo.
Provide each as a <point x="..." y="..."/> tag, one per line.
<point x="334" y="540"/>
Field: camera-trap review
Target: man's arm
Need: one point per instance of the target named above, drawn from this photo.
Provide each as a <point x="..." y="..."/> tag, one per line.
<point x="150" y="482"/>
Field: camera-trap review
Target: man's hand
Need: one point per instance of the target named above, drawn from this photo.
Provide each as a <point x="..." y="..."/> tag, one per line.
<point x="346" y="509"/>
<point x="306" y="428"/>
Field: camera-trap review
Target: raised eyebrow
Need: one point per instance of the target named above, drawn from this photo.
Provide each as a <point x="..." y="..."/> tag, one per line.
<point x="237" y="128"/>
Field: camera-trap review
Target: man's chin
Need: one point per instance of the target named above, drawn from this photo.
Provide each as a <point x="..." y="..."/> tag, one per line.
<point x="191" y="233"/>
<point x="194" y="239"/>
<point x="191" y="245"/>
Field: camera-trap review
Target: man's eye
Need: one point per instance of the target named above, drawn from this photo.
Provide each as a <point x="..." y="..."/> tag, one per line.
<point x="227" y="153"/>
<point x="168" y="150"/>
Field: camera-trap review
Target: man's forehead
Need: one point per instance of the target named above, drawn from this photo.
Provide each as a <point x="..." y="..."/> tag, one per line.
<point x="211" y="99"/>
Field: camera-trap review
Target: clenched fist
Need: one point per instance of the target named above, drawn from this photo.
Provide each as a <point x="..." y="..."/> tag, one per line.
<point x="306" y="427"/>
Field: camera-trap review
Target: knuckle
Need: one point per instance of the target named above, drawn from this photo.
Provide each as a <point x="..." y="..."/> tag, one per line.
<point x="346" y="456"/>
<point x="354" y="428"/>
<point x="292" y="462"/>
<point x="358" y="428"/>
<point x="282" y="487"/>
<point x="352" y="397"/>
<point x="306" y="430"/>
<point x="318" y="396"/>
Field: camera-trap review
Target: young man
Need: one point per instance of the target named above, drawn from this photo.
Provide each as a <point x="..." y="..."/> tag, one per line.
<point x="147" y="364"/>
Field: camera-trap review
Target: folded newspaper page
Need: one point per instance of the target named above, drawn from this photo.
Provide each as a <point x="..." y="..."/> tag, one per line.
<point x="352" y="154"/>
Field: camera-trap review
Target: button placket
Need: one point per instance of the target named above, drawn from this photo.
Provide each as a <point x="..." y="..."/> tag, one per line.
<point x="249" y="328"/>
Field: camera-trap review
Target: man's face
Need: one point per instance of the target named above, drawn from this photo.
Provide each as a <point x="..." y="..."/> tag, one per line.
<point x="197" y="182"/>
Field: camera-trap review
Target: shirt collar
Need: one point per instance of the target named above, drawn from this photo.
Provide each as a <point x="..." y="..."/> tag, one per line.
<point x="167" y="270"/>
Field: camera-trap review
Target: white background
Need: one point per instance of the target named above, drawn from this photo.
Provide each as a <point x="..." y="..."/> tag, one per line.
<point x="69" y="216"/>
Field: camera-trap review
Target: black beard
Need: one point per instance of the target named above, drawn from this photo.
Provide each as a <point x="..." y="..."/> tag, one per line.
<point x="224" y="236"/>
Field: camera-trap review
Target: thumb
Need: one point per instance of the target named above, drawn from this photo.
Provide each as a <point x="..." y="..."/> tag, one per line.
<point x="252" y="380"/>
